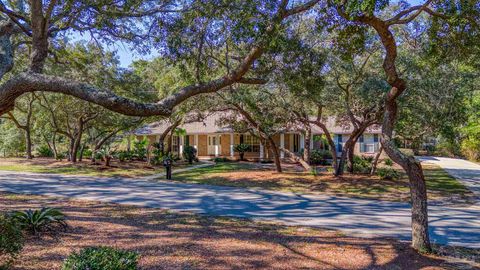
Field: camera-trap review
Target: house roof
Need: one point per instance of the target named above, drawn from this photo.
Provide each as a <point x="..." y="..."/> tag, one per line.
<point x="211" y="125"/>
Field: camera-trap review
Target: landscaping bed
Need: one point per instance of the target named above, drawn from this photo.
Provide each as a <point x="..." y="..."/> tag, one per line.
<point x="441" y="186"/>
<point x="85" y="167"/>
<point x="167" y="240"/>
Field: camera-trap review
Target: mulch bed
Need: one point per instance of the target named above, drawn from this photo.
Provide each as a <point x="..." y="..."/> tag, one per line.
<point x="168" y="240"/>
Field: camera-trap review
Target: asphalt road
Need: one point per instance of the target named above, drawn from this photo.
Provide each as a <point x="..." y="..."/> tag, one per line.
<point x="448" y="224"/>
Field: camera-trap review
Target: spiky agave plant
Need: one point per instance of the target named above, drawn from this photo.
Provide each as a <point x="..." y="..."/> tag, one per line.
<point x="43" y="220"/>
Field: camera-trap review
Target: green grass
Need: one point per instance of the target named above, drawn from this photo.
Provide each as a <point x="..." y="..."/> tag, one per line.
<point x="440" y="181"/>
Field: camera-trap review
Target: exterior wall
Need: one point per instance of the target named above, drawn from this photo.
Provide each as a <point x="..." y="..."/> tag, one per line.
<point x="225" y="145"/>
<point x="202" y="145"/>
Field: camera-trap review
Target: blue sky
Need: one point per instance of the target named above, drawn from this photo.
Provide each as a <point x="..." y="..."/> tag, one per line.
<point x="127" y="55"/>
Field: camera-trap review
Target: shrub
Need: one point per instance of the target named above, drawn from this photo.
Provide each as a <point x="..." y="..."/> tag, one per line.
<point x="388" y="162"/>
<point x="190" y="153"/>
<point x="101" y="258"/>
<point x="388" y="173"/>
<point x="124" y="155"/>
<point x="221" y="159"/>
<point x="140" y="149"/>
<point x="43" y="220"/>
<point x="11" y="241"/>
<point x="44" y="151"/>
<point x="241" y="149"/>
<point x="319" y="157"/>
<point x="362" y="164"/>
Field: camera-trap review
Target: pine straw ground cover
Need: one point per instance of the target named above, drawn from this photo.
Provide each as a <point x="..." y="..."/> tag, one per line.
<point x="168" y="240"/>
<point x="85" y="167"/>
<point x="441" y="186"/>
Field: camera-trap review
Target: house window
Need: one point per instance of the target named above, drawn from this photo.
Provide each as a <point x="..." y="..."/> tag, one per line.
<point x="339" y="142"/>
<point x="175" y="143"/>
<point x="187" y="140"/>
<point x="252" y="141"/>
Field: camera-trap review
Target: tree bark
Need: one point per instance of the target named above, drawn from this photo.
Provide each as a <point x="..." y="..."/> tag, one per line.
<point x="418" y="190"/>
<point x="306" y="149"/>
<point x="276" y="154"/>
<point x="28" y="142"/>
<point x="375" y="161"/>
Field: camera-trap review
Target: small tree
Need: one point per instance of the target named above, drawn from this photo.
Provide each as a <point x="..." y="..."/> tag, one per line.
<point x="190" y="153"/>
<point x="107" y="154"/>
<point x="241" y="149"/>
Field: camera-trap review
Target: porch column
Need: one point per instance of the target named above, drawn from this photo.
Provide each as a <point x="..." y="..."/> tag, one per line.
<point x="302" y="141"/>
<point x="195" y="142"/>
<point x="261" y="151"/>
<point x="232" y="143"/>
<point x="282" y="145"/>
<point x="180" y="146"/>
<point x="217" y="152"/>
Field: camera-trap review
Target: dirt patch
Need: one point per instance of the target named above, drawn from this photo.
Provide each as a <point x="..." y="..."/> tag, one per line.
<point x="168" y="240"/>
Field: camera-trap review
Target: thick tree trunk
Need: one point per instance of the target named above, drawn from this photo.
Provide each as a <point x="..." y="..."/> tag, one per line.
<point x="70" y="149"/>
<point x="307" y="150"/>
<point x="54" y="146"/>
<point x="375" y="161"/>
<point x="351" y="153"/>
<point x="28" y="142"/>
<point x="331" y="143"/>
<point x="276" y="154"/>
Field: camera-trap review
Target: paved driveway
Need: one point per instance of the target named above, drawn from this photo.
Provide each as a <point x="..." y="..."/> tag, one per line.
<point x="465" y="171"/>
<point x="449" y="225"/>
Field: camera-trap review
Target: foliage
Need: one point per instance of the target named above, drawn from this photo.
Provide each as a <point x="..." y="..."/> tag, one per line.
<point x="388" y="162"/>
<point x="241" y="149"/>
<point x="190" y="153"/>
<point x="101" y="258"/>
<point x="39" y="221"/>
<point x="470" y="146"/>
<point x="140" y="149"/>
<point x="11" y="240"/>
<point x="362" y="164"/>
<point x="44" y="151"/>
<point x="320" y="157"/>
<point x="124" y="155"/>
<point x="221" y="159"/>
<point x="388" y="173"/>
<point x="107" y="153"/>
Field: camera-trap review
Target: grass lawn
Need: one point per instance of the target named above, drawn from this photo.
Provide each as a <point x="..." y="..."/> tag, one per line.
<point x="441" y="186"/>
<point x="48" y="165"/>
<point x="172" y="241"/>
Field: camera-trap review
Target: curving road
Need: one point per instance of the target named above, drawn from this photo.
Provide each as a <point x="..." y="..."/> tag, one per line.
<point x="448" y="225"/>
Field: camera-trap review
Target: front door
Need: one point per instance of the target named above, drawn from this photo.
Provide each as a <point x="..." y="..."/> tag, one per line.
<point x="214" y="145"/>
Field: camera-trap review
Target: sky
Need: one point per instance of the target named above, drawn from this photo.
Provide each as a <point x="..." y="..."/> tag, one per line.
<point x="127" y="55"/>
<point x="124" y="52"/>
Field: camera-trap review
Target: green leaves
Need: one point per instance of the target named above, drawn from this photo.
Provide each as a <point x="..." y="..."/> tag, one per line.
<point x="11" y="240"/>
<point x="37" y="221"/>
<point x="101" y="258"/>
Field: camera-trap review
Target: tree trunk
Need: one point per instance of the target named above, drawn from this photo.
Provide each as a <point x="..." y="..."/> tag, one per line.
<point x="77" y="140"/>
<point x="331" y="143"/>
<point x="161" y="140"/>
<point x="28" y="142"/>
<point x="351" y="153"/>
<point x="418" y="188"/>
<point x="82" y="149"/>
<point x="375" y="161"/>
<point x="276" y="154"/>
<point x="307" y="150"/>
